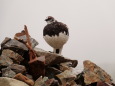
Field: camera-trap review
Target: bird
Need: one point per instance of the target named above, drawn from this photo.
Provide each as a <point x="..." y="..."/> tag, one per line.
<point x="56" y="34"/>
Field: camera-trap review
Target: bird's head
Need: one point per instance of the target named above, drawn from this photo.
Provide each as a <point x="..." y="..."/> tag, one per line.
<point x="50" y="20"/>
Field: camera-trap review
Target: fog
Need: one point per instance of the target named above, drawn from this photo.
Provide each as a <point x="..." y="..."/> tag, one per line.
<point x="91" y="26"/>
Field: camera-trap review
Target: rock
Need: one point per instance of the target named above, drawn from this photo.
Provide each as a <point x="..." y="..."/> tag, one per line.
<point x="0" y="52"/>
<point x="34" y="42"/>
<point x="22" y="38"/>
<point x="7" y="72"/>
<point x="40" y="81"/>
<point x="66" y="78"/>
<point x="93" y="73"/>
<point x="29" y="76"/>
<point x="13" y="55"/>
<point x="46" y="82"/>
<point x="52" y="82"/>
<point x="5" y="61"/>
<point x="80" y="79"/>
<point x="18" y="68"/>
<point x="16" y="46"/>
<point x="92" y="84"/>
<point x="53" y="59"/>
<point x="26" y="57"/>
<point x="25" y="79"/>
<point x="0" y="73"/>
<point x="4" y="81"/>
<point x="102" y="84"/>
<point x="72" y="83"/>
<point x="5" y="41"/>
<point x="65" y="66"/>
<point x="51" y="72"/>
<point x="113" y="84"/>
<point x="37" y="67"/>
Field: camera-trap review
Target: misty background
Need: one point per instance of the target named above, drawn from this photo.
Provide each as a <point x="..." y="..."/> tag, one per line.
<point x="91" y="26"/>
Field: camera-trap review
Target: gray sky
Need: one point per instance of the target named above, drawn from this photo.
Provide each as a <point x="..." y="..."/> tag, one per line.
<point x="91" y="25"/>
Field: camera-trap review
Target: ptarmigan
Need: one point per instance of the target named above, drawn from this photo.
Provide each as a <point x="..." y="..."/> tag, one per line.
<point x="56" y="34"/>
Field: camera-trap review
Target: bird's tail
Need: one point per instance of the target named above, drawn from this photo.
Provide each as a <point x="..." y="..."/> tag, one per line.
<point x="58" y="51"/>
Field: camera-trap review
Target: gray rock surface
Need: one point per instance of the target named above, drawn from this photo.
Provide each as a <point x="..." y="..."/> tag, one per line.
<point x="46" y="82"/>
<point x="12" y="55"/>
<point x="17" y="68"/>
<point x="66" y="78"/>
<point x="15" y="46"/>
<point x="5" y="41"/>
<point x="7" y="72"/>
<point x="5" y="61"/>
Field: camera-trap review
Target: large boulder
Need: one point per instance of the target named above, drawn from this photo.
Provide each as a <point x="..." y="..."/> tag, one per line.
<point x="5" y="61"/>
<point x="54" y="59"/>
<point x="14" y="45"/>
<point x="4" y="81"/>
<point x="93" y="73"/>
<point x="13" y="55"/>
<point x="18" y="68"/>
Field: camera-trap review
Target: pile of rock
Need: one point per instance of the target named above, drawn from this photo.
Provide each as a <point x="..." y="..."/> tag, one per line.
<point x="54" y="69"/>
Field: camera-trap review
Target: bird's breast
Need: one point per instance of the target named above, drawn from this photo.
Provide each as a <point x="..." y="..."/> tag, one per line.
<point x="56" y="34"/>
<point x="56" y="41"/>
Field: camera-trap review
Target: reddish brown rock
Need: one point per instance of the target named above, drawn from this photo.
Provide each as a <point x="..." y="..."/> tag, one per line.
<point x="23" y="78"/>
<point x="93" y="73"/>
<point x="36" y="64"/>
<point x="37" y="68"/>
